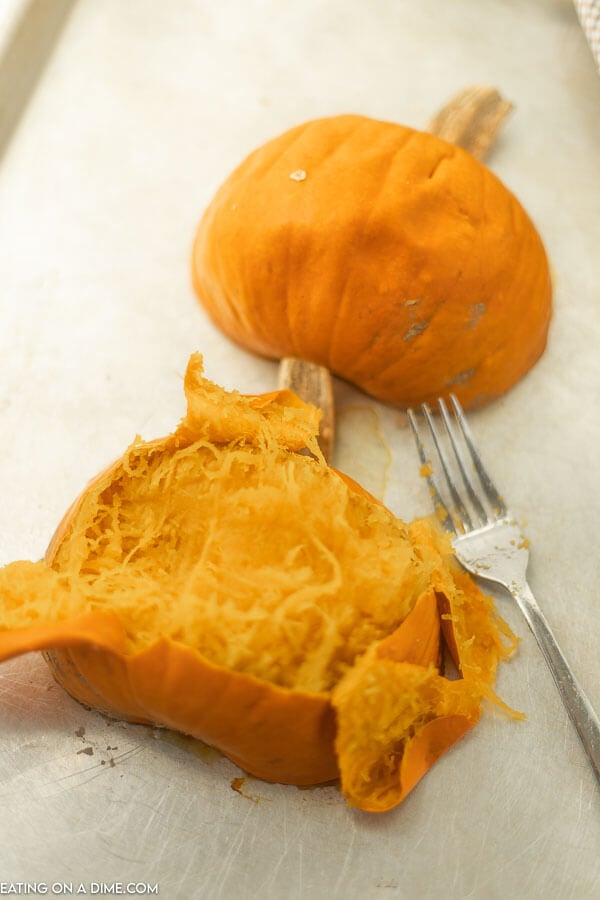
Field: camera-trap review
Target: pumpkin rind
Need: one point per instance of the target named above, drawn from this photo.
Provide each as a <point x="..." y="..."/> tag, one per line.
<point x="397" y="261"/>
<point x="283" y="734"/>
<point x="274" y="734"/>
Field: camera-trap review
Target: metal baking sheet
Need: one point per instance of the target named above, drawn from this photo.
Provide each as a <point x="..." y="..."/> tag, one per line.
<point x="139" y="111"/>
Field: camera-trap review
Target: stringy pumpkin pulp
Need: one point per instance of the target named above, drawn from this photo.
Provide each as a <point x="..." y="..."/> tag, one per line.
<point x="222" y="582"/>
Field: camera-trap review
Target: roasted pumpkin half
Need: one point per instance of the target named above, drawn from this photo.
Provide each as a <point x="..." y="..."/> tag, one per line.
<point x="393" y="258"/>
<point x="226" y="582"/>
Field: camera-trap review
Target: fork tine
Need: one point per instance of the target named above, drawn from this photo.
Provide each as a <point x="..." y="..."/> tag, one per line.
<point x="462" y="466"/>
<point x="439" y="506"/>
<point x="488" y="485"/>
<point x="459" y="507"/>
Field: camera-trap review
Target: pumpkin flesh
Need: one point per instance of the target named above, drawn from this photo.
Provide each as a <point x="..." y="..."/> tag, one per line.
<point x="221" y="583"/>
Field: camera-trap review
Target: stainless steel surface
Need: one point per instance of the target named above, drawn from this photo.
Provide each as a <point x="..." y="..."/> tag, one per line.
<point x="29" y="30"/>
<point x="490" y="543"/>
<point x="143" y="108"/>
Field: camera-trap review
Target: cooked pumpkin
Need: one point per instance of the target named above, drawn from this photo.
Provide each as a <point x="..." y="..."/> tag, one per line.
<point x="225" y="582"/>
<point x="393" y="258"/>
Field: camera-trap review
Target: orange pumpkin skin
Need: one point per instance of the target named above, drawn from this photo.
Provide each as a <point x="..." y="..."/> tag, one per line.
<point x="393" y="258"/>
<point x="276" y="733"/>
<point x="273" y="733"/>
<point x="279" y="735"/>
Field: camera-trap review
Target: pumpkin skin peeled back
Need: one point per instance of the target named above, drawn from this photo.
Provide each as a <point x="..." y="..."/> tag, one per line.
<point x="223" y="583"/>
<point x="391" y="257"/>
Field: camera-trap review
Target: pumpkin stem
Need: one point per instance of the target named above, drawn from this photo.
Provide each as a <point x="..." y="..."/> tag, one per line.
<point x="313" y="384"/>
<point x="471" y="119"/>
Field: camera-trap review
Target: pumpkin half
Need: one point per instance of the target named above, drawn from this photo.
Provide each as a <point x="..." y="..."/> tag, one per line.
<point x="393" y="258"/>
<point x="227" y="583"/>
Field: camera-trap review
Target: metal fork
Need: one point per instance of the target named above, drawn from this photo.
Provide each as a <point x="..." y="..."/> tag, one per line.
<point x="490" y="544"/>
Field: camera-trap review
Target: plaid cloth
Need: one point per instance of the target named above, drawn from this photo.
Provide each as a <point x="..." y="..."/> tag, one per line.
<point x="589" y="16"/>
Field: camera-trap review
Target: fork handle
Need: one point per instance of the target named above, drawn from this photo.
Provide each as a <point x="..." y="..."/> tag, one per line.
<point x="578" y="706"/>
